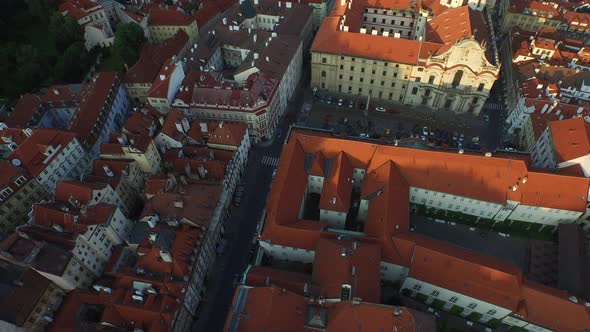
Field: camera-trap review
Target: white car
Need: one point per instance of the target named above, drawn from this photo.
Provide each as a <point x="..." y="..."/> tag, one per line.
<point x="380" y="109"/>
<point x="486" y="118"/>
<point x="340" y="102"/>
<point x="364" y="135"/>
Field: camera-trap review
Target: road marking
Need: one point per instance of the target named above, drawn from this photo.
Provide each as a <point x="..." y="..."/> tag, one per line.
<point x="270" y="161"/>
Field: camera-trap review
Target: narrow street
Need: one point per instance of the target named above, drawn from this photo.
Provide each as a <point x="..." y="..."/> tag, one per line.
<point x="241" y="225"/>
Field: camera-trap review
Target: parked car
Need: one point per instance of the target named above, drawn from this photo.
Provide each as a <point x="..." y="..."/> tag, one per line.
<point x="362" y="135"/>
<point x="314" y="90"/>
<point x="486" y="118"/>
<point x="329" y="100"/>
<point x="274" y="172"/>
<point x="425" y="131"/>
<point x="380" y="109"/>
<point x="340" y="102"/>
<point x="323" y="99"/>
<point x="391" y="110"/>
<point x="350" y="104"/>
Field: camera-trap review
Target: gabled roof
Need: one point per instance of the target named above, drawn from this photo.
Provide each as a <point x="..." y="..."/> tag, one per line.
<point x="70" y="218"/>
<point x="466" y="272"/>
<point x="223" y="133"/>
<point x="169" y="17"/>
<point x="161" y="83"/>
<point x="78" y="190"/>
<point x="169" y="127"/>
<point x="21" y="290"/>
<point x="39" y="150"/>
<point x="25" y="109"/>
<point x="337" y="187"/>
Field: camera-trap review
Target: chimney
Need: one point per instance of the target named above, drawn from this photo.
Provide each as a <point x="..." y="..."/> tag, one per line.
<point x="56" y="91"/>
<point x="225" y="21"/>
<point x="203" y="126"/>
<point x="202" y="171"/>
<point x="279" y="4"/>
<point x="108" y="171"/>
<point x="179" y="127"/>
<point x="162" y="77"/>
<point x="254" y="38"/>
<point x="166" y="256"/>
<point x="221" y="122"/>
<point x="267" y="59"/>
<point x="255" y="56"/>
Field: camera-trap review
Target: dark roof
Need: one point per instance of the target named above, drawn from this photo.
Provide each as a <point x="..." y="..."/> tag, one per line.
<point x="138" y="233"/>
<point x="20" y="290"/>
<point x="248" y="9"/>
<point x="573" y="249"/>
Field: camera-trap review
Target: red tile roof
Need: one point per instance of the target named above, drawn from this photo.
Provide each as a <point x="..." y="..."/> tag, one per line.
<point x="8" y="173"/>
<point x="337" y="187"/>
<point x="357" y="264"/>
<point x="162" y="16"/>
<point x="224" y="133"/>
<point x="95" y="102"/>
<point x="182" y="247"/>
<point x="553" y="309"/>
<point x="571" y="138"/>
<point x="39" y="150"/>
<point x="156" y="313"/>
<point x="70" y="218"/>
<point x="194" y="202"/>
<point x="78" y="8"/>
<point x="274" y="309"/>
<point x="142" y="122"/>
<point x="78" y="190"/>
<point x="161" y="82"/>
<point x="169" y="126"/>
<point x="464" y="271"/>
<point x="26" y="108"/>
<point x="152" y="57"/>
<point x="519" y="6"/>
<point x="451" y="26"/>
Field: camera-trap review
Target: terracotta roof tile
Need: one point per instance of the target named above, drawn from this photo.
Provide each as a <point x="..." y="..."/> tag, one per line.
<point x="571" y="138"/>
<point x="26" y="108"/>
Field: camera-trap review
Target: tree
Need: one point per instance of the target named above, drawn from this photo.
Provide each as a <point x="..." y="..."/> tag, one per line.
<point x="68" y="67"/>
<point x="128" y="41"/>
<point x="65" y="30"/>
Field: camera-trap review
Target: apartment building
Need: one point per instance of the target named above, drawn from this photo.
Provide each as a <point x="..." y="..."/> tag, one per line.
<point x="93" y="18"/>
<point x="140" y="148"/>
<point x="95" y="230"/>
<point x="49" y="254"/>
<point x="530" y="15"/>
<point x="139" y="78"/>
<point x="29" y="299"/>
<point x="266" y="68"/>
<point x="386" y="180"/>
<point x="174" y="249"/>
<point x="144" y="121"/>
<point x="563" y="144"/>
<point x="18" y="191"/>
<point x="269" y="307"/>
<point x="165" y="22"/>
<point x="103" y="109"/>
<point x="366" y="48"/>
<point x="81" y="193"/>
<point x="166" y="84"/>
<point x="129" y="301"/>
<point x="124" y="176"/>
<point x="50" y="155"/>
<point x="128" y="16"/>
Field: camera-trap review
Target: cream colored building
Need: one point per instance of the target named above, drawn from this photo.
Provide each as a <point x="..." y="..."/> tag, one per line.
<point x="531" y="16"/>
<point x="164" y="24"/>
<point x="442" y="63"/>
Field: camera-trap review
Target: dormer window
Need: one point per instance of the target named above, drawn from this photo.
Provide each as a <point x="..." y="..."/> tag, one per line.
<point x="21" y="179"/>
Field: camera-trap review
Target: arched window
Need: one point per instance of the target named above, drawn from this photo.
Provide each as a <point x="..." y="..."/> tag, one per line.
<point x="457" y="78"/>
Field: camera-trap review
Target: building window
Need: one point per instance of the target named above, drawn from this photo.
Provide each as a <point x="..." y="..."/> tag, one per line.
<point x="417" y="287"/>
<point x="324" y="60"/>
<point x="491" y="312"/>
<point x="323" y="73"/>
<point x="472" y="305"/>
<point x="431" y="79"/>
<point x="480" y="87"/>
<point x="418" y="79"/>
<point x="341" y="66"/>
<point x="457" y="78"/>
<point x="435" y="293"/>
<point x="453" y="299"/>
<point x="414" y="90"/>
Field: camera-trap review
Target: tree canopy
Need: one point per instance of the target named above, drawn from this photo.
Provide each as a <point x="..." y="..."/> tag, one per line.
<point x="129" y="38"/>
